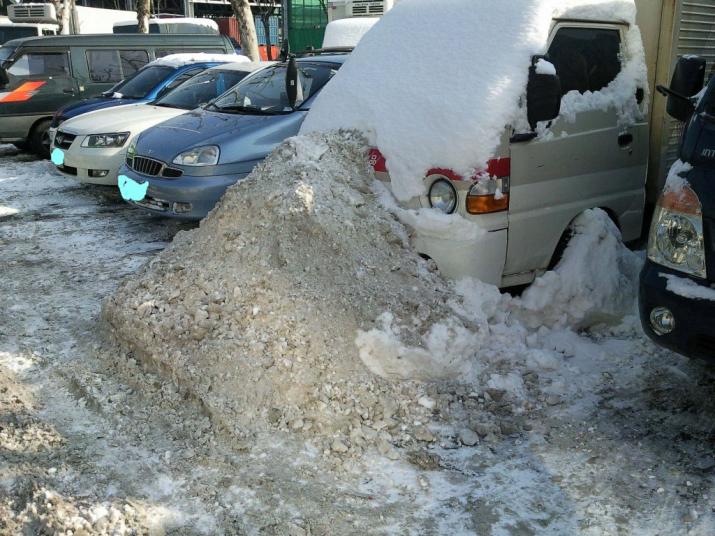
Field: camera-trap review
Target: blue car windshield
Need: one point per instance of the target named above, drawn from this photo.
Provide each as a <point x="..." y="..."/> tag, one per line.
<point x="200" y="89"/>
<point x="146" y="79"/>
<point x="265" y="92"/>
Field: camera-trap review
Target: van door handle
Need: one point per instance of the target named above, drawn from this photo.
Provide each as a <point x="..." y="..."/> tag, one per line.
<point x="625" y="141"/>
<point x="69" y="91"/>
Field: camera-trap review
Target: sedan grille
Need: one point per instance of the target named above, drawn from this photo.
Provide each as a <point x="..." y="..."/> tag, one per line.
<point x="152" y="168"/>
<point x="63" y="140"/>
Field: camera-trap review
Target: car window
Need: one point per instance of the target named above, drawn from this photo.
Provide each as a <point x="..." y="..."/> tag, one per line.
<point x="41" y="64"/>
<point x="265" y="91"/>
<point x="132" y="61"/>
<point x="104" y="65"/>
<point x="145" y="80"/>
<point x="201" y="89"/>
<point x="586" y="59"/>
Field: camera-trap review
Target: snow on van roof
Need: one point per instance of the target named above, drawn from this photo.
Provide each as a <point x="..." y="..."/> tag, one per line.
<point x="179" y="60"/>
<point x="197" y="21"/>
<point x="347" y="32"/>
<point x="439" y="94"/>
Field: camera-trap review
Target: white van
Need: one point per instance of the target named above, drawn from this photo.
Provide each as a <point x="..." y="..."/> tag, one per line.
<point x="581" y="141"/>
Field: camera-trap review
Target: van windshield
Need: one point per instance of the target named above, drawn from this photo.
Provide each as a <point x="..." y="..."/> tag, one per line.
<point x="200" y="89"/>
<point x="15" y="32"/>
<point x="140" y="85"/>
<point x="265" y="92"/>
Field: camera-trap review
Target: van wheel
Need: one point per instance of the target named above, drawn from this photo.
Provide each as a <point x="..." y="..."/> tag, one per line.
<point x="40" y="139"/>
<point x="561" y="247"/>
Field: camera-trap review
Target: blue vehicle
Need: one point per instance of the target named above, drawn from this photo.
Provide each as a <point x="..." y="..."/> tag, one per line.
<point x="677" y="284"/>
<point x="180" y="168"/>
<point x="148" y="84"/>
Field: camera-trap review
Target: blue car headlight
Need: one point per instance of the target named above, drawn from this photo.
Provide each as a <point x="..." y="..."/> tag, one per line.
<point x="199" y="156"/>
<point x="116" y="139"/>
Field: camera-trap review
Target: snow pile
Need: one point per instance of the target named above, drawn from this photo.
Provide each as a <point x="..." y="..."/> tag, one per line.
<point x="347" y="32"/>
<point x="596" y="280"/>
<point x="675" y="181"/>
<point x="256" y="313"/>
<point x="188" y="58"/>
<point x="465" y="100"/>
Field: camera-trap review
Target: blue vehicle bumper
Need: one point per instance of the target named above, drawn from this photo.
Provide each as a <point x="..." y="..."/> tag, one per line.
<point x="694" y="333"/>
<point x="187" y="197"/>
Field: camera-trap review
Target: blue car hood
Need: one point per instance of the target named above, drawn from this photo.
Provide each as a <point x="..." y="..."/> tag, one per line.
<point x="90" y="105"/>
<point x="240" y="137"/>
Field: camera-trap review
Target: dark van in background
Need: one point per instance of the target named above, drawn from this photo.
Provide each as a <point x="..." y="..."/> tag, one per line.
<point x="677" y="284"/>
<point x="42" y="74"/>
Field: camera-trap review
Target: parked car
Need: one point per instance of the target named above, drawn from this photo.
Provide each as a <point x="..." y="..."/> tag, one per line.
<point x="677" y="284"/>
<point x="182" y="167"/>
<point x="42" y="74"/>
<point x="147" y="84"/>
<point x="91" y="147"/>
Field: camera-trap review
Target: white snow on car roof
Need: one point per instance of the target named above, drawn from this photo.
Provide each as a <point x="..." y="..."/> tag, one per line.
<point x="347" y="32"/>
<point x="179" y="60"/>
<point x="248" y="66"/>
<point x="439" y="93"/>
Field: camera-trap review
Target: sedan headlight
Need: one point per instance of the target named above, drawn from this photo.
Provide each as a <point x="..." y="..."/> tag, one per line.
<point x="116" y="139"/>
<point x="199" y="156"/>
<point x="676" y="234"/>
<point x="443" y="196"/>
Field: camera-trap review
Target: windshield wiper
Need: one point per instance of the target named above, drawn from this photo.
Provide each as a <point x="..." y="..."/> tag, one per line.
<point x="249" y="110"/>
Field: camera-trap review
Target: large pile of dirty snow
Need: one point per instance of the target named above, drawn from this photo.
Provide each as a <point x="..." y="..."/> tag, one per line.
<point x="440" y="94"/>
<point x="256" y="313"/>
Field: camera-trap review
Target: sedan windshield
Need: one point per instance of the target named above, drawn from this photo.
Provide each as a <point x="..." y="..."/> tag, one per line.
<point x="139" y="85"/>
<point x="265" y="92"/>
<point x="200" y="89"/>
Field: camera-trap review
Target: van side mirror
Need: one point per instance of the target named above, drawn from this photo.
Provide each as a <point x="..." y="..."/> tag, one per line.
<point x="543" y="92"/>
<point x="292" y="82"/>
<point x="688" y="79"/>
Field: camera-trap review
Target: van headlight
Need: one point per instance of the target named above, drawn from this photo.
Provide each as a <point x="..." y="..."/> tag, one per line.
<point x="676" y="234"/>
<point x="199" y="156"/>
<point x="116" y="139"/>
<point x="443" y="196"/>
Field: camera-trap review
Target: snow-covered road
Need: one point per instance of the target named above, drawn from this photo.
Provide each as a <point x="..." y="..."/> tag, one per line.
<point x="620" y="441"/>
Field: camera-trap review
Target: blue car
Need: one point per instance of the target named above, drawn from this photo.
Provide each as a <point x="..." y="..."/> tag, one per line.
<point x="147" y="84"/>
<point x="181" y="167"/>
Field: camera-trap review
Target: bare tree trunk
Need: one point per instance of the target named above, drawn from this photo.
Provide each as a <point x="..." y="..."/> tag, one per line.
<point x="247" y="29"/>
<point x="143" y="10"/>
<point x="63" y="8"/>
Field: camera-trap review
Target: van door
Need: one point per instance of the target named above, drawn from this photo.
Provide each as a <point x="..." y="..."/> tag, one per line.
<point x="585" y="161"/>
<point x="40" y="82"/>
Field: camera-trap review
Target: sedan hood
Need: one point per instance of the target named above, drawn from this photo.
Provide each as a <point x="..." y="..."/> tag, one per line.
<point x="90" y="105"/>
<point x="240" y="137"/>
<point x="132" y="118"/>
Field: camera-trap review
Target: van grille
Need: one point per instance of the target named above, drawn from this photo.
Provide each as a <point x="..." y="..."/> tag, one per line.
<point x="63" y="140"/>
<point x="153" y="168"/>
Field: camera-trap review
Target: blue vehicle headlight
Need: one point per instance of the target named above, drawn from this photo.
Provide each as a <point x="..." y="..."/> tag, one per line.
<point x="199" y="156"/>
<point x="117" y="139"/>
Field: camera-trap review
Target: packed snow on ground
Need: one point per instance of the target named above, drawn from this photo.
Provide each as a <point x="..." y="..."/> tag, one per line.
<point x="421" y="85"/>
<point x="347" y="32"/>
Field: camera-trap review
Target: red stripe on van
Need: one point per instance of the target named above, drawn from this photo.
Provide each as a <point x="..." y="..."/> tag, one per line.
<point x="22" y="93"/>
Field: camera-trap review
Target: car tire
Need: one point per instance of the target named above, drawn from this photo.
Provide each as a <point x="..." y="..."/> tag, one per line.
<point x="40" y="139"/>
<point x="561" y="246"/>
<point x="21" y="145"/>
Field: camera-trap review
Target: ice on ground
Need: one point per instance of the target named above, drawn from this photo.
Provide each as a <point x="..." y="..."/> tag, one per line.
<point x="687" y="288"/>
<point x="347" y="32"/>
<point x="419" y="85"/>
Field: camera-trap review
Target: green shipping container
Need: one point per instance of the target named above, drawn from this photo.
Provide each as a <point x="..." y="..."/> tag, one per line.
<point x="306" y="23"/>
